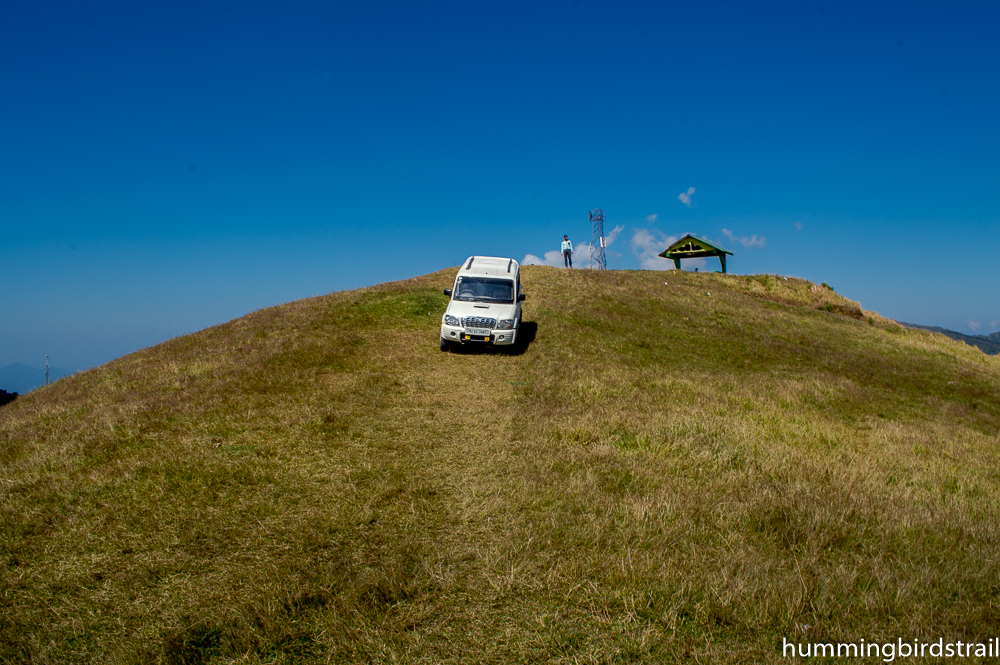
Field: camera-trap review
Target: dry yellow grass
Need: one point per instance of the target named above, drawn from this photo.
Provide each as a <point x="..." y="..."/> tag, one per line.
<point x="678" y="468"/>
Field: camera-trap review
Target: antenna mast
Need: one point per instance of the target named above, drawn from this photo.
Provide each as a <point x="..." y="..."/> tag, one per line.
<point x="46" y="369"/>
<point x="598" y="242"/>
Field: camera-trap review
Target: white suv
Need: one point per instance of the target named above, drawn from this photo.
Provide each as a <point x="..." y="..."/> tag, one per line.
<point x="485" y="303"/>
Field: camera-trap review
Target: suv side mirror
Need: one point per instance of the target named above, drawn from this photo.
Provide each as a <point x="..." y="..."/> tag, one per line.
<point x="447" y="292"/>
<point x="521" y="297"/>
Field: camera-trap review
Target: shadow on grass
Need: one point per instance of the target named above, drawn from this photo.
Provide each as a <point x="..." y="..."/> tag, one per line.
<point x="525" y="336"/>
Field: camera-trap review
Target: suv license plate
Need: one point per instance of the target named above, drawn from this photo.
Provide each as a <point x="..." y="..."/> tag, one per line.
<point x="485" y="332"/>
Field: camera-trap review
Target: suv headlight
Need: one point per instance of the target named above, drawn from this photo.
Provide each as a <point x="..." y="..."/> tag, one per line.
<point x="451" y="320"/>
<point x="505" y="324"/>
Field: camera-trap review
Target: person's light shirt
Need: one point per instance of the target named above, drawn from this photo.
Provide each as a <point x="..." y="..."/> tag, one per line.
<point x="567" y="245"/>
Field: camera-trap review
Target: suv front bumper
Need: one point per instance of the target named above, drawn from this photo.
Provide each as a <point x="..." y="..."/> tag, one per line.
<point x="456" y="334"/>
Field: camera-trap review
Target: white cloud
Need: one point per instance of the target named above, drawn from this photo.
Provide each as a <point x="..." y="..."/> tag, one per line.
<point x="685" y="197"/>
<point x="614" y="234"/>
<point x="752" y="242"/>
<point x="975" y="325"/>
<point x="553" y="258"/>
<point x="646" y="244"/>
<point x="798" y="226"/>
<point x="652" y="218"/>
<point x="581" y="253"/>
<point x="994" y="325"/>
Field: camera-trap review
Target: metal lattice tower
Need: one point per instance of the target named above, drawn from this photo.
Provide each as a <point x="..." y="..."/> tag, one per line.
<point x="598" y="241"/>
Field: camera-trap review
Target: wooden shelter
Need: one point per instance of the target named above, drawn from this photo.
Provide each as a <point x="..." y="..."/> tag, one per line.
<point x="693" y="247"/>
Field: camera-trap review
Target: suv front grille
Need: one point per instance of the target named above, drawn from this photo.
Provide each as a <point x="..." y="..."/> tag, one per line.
<point x="478" y="322"/>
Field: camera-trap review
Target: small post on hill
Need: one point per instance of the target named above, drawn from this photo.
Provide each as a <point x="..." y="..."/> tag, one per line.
<point x="46" y="369"/>
<point x="597" y="241"/>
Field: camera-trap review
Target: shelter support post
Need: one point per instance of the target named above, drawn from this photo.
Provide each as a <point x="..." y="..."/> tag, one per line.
<point x="722" y="260"/>
<point x="677" y="263"/>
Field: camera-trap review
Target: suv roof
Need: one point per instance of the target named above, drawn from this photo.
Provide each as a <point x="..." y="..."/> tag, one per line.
<point x="489" y="265"/>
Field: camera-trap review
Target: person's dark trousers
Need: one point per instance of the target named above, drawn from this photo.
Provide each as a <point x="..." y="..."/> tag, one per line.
<point x="567" y="258"/>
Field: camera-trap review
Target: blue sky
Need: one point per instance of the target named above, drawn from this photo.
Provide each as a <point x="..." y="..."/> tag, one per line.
<point x="167" y="167"/>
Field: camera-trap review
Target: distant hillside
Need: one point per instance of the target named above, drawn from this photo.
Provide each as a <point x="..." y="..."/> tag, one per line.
<point x="989" y="344"/>
<point x="674" y="468"/>
<point x="18" y="378"/>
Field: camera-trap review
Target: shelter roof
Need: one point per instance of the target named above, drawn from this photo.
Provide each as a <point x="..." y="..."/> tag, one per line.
<point x="692" y="247"/>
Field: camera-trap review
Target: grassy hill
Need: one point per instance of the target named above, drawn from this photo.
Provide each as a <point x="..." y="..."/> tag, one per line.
<point x="989" y="344"/>
<point x="678" y="467"/>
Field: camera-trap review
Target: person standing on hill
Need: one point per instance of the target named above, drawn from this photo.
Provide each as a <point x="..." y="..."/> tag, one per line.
<point x="567" y="252"/>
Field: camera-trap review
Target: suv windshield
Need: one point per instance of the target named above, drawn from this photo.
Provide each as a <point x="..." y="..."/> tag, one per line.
<point x="484" y="289"/>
